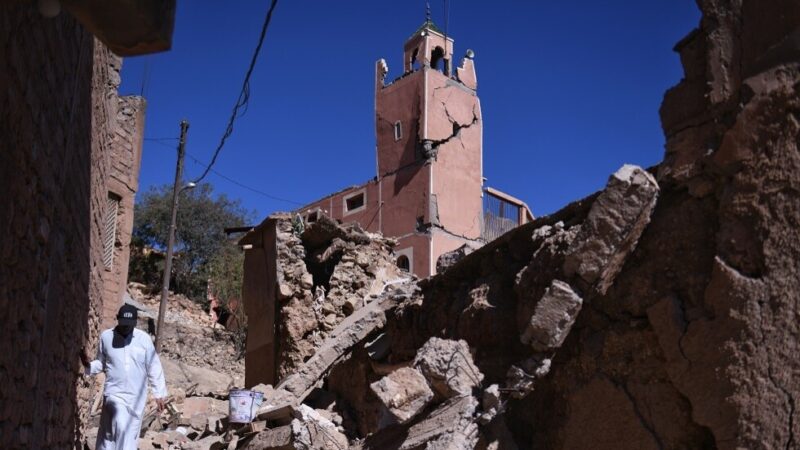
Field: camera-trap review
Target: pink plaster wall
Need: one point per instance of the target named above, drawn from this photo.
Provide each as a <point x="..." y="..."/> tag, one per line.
<point x="401" y="100"/>
<point x="445" y="192"/>
<point x="457" y="172"/>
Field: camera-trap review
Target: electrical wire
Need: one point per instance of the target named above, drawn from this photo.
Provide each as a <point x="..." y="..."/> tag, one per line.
<point x="225" y="177"/>
<point x="159" y="141"/>
<point x="244" y="95"/>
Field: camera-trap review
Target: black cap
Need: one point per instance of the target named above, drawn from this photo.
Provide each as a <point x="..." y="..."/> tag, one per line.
<point x="127" y="315"/>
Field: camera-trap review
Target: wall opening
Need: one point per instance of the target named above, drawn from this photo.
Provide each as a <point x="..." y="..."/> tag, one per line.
<point x="403" y="263"/>
<point x="436" y="56"/>
<point x="398" y="130"/>
<point x="312" y="216"/>
<point x="110" y="229"/>
<point x="414" y="63"/>
<point x="355" y="202"/>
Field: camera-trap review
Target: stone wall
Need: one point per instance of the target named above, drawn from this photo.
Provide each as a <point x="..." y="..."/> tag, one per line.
<point x="56" y="127"/>
<point x="299" y="286"/>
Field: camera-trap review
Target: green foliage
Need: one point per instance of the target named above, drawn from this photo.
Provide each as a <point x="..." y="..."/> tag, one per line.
<point x="202" y="250"/>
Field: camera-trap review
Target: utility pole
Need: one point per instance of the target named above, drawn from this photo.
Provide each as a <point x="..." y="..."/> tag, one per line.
<point x="176" y="190"/>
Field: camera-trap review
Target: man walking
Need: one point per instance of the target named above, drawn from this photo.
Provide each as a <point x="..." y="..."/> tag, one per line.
<point x="128" y="357"/>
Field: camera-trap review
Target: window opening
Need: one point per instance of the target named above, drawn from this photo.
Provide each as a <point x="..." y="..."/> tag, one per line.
<point x="398" y="130"/>
<point x="436" y="55"/>
<point x="354" y="202"/>
<point x="312" y="217"/>
<point x="403" y="263"/>
<point x="110" y="231"/>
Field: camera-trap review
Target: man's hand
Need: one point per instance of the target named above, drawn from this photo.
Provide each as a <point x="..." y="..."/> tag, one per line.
<point x="162" y="403"/>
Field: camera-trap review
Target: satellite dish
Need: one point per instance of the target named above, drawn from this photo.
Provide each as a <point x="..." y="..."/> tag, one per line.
<point x="470" y="54"/>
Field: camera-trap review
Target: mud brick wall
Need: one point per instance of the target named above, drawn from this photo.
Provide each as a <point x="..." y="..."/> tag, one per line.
<point x="125" y="159"/>
<point x="59" y="103"/>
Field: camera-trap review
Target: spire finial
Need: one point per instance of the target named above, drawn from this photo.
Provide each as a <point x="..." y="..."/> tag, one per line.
<point x="427" y="11"/>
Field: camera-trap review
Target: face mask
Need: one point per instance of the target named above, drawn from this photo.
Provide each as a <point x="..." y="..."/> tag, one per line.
<point x="124" y="330"/>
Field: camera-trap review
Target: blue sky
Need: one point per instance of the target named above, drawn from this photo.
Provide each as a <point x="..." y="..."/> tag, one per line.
<point x="570" y="91"/>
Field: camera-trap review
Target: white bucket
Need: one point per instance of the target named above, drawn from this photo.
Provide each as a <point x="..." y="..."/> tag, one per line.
<point x="243" y="405"/>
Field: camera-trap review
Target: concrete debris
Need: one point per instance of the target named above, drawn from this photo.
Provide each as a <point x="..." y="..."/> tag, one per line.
<point x="491" y="404"/>
<point x="312" y="431"/>
<point x="446" y="260"/>
<point x="198" y="380"/>
<point x="404" y="393"/>
<point x="448" y="367"/>
<point x="612" y="228"/>
<point x="450" y="426"/>
<point x="553" y="318"/>
<point x="278" y="438"/>
<point x="351" y="331"/>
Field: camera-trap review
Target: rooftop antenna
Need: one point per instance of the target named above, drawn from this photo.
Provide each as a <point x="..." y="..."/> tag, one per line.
<point x="427" y="12"/>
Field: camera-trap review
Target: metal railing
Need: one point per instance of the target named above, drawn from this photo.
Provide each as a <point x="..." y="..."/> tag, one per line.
<point x="499" y="216"/>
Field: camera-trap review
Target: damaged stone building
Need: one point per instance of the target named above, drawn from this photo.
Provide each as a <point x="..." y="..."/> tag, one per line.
<point x="69" y="167"/>
<point x="428" y="192"/>
<point x="659" y="313"/>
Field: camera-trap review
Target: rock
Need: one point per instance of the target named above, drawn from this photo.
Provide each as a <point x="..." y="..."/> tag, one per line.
<point x="491" y="404"/>
<point x="206" y="443"/>
<point x="306" y="281"/>
<point x="448" y="367"/>
<point x="312" y="431"/>
<point x="349" y="332"/>
<point x="285" y="291"/>
<point x="207" y="381"/>
<point x="610" y="232"/>
<point x="446" y="260"/>
<point x="204" y="405"/>
<point x="450" y="426"/>
<point x="404" y="393"/>
<point x="279" y="438"/>
<point x="520" y="380"/>
<point x="553" y="317"/>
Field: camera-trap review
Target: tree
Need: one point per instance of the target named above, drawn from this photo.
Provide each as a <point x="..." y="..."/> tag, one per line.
<point x="201" y="247"/>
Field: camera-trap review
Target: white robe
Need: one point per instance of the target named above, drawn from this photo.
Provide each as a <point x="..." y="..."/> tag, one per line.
<point x="129" y="362"/>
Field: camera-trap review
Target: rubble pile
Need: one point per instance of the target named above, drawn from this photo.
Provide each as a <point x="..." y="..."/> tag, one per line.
<point x="326" y="272"/>
<point x="660" y="312"/>
<point x="379" y="378"/>
<point x="191" y="336"/>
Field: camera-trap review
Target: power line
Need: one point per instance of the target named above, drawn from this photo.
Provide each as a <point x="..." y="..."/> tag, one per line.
<point x="159" y="141"/>
<point x="270" y="196"/>
<point x="244" y="95"/>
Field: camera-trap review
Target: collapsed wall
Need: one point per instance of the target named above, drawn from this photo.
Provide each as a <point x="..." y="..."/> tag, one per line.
<point x="692" y="344"/>
<point x="661" y="312"/>
<point x="300" y="282"/>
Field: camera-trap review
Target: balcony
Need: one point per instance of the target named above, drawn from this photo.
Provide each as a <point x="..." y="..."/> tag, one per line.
<point x="502" y="213"/>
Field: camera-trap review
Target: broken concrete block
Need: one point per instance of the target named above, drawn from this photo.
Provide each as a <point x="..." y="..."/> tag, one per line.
<point x="205" y="381"/>
<point x="520" y="380"/>
<point x="279" y="438"/>
<point x="284" y="291"/>
<point x="451" y="426"/>
<point x="614" y="224"/>
<point x="348" y="333"/>
<point x="491" y="404"/>
<point x="446" y="260"/>
<point x="404" y="393"/>
<point x="448" y="367"/>
<point x="553" y="317"/>
<point x="311" y="431"/>
<point x="203" y="405"/>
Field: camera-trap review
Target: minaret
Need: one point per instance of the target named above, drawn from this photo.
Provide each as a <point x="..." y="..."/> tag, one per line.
<point x="429" y="149"/>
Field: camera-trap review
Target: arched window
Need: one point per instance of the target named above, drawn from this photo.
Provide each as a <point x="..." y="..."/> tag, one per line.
<point x="403" y="263"/>
<point x="436" y="55"/>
